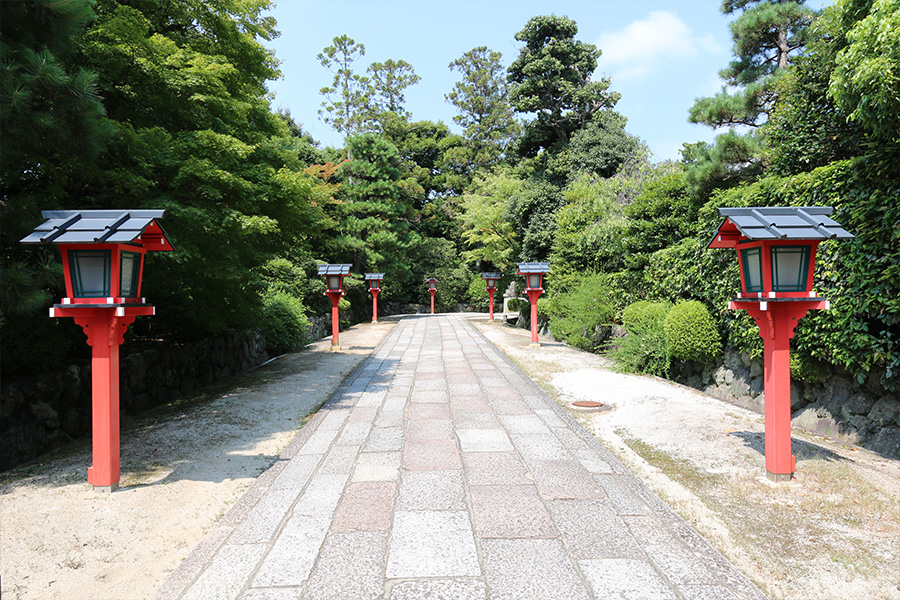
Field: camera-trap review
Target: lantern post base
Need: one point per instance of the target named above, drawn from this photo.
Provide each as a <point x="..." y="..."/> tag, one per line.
<point x="335" y="347"/>
<point x="779" y="477"/>
<point x="535" y="344"/>
<point x="106" y="489"/>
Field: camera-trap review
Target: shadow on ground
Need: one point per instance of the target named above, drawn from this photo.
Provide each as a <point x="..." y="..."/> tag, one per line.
<point x="803" y="450"/>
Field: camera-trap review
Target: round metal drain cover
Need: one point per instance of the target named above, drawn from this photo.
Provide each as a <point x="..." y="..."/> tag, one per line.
<point x="587" y="404"/>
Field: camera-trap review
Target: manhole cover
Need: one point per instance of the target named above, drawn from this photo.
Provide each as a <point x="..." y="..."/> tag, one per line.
<point x="587" y="404"/>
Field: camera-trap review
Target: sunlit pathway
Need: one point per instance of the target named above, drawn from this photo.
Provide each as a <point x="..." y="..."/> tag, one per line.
<point x="439" y="470"/>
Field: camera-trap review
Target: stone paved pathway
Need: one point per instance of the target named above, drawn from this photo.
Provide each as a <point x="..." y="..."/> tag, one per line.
<point x="439" y="470"/>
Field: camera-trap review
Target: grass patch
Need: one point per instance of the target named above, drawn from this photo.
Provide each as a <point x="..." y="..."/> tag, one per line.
<point x="678" y="469"/>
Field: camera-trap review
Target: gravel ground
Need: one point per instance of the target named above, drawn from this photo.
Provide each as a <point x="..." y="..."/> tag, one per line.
<point x="831" y="533"/>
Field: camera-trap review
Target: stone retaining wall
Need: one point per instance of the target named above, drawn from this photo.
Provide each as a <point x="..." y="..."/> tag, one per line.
<point x="836" y="406"/>
<point x="47" y="410"/>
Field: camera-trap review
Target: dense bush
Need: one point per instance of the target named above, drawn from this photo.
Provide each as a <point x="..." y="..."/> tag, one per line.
<point x="643" y="349"/>
<point x="284" y="322"/>
<point x="691" y="333"/>
<point x="580" y="315"/>
<point x="518" y="305"/>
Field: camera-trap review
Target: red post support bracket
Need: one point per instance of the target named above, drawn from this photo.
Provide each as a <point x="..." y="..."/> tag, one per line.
<point x="335" y="318"/>
<point x="533" y="295"/>
<point x="777" y="321"/>
<point x="105" y="328"/>
<point x="374" y="304"/>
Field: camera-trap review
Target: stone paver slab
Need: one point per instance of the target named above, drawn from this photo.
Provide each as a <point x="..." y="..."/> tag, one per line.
<point x="495" y="468"/>
<point x="432" y="544"/>
<point x="431" y="455"/>
<point x="593" y="529"/>
<point x="625" y="579"/>
<point x="506" y="511"/>
<point x="439" y="589"/>
<point x="483" y="440"/>
<point x="377" y="466"/>
<point x="351" y="565"/>
<point x="431" y="490"/>
<point x="365" y="507"/>
<point x="530" y="570"/>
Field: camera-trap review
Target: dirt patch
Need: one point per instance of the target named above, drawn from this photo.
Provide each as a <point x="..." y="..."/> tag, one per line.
<point x="183" y="466"/>
<point x="833" y="533"/>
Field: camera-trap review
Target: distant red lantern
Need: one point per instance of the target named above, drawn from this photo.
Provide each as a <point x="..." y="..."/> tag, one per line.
<point x="374" y="280"/>
<point x="334" y="283"/>
<point x="534" y="281"/>
<point x="490" y="281"/>
<point x="432" y="288"/>
<point x="103" y="262"/>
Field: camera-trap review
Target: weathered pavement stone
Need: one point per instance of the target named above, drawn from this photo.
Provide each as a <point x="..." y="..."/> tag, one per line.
<point x="439" y="470"/>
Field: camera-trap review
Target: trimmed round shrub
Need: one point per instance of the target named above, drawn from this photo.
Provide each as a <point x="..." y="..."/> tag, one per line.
<point x="691" y="333"/>
<point x="284" y="322"/>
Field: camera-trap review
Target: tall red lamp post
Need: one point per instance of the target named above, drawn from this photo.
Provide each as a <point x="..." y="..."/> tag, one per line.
<point x="534" y="282"/>
<point x="374" y="280"/>
<point x="776" y="250"/>
<point x="334" y="289"/>
<point x="490" y="281"/>
<point x="432" y="288"/>
<point x="103" y="261"/>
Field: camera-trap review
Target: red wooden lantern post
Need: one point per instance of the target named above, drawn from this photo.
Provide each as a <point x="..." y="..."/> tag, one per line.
<point x="334" y="289"/>
<point x="432" y="288"/>
<point x="534" y="282"/>
<point x="776" y="254"/>
<point x="490" y="280"/>
<point x="374" y="280"/>
<point x="103" y="262"/>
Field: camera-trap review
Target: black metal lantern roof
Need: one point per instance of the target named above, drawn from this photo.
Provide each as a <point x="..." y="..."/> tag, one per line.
<point x="776" y="223"/>
<point x="101" y="227"/>
<point x="334" y="269"/>
<point x="378" y="276"/>
<point x="536" y="267"/>
<point x="490" y="275"/>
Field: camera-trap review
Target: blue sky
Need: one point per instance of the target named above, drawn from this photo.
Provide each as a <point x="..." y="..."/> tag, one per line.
<point x="659" y="55"/>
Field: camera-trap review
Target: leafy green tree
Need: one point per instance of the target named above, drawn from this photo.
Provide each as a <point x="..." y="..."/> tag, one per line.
<point x="482" y="99"/>
<point x="551" y="77"/>
<point x="866" y="78"/>
<point x="487" y="231"/>
<point x="347" y="104"/>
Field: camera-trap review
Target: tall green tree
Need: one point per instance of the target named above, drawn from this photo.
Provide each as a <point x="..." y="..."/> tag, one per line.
<point x="375" y="229"/>
<point x="766" y="34"/>
<point x="488" y="233"/>
<point x="482" y="99"/>
<point x="347" y="104"/>
<point x="53" y="127"/>
<point x="388" y="82"/>
<point x="185" y="88"/>
<point x="552" y="78"/>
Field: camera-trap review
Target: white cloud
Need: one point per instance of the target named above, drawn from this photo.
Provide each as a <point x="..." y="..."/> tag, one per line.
<point x="643" y="45"/>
